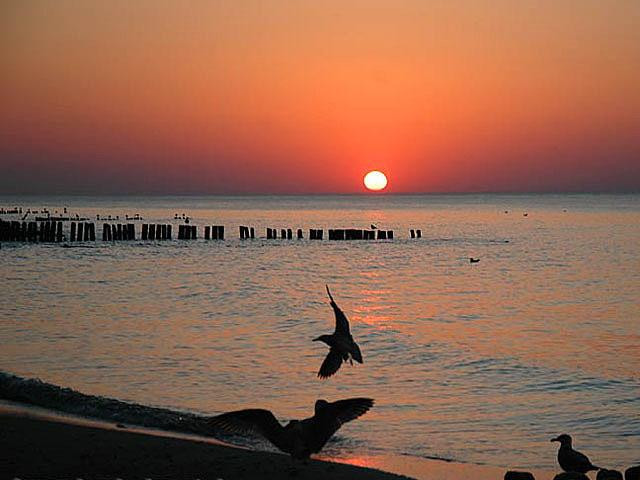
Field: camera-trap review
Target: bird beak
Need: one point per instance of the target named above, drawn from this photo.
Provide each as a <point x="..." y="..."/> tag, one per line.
<point x="316" y="339"/>
<point x="554" y="440"/>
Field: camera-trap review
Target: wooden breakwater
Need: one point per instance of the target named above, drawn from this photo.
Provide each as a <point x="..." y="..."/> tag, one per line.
<point x="55" y="231"/>
<point x="17" y="231"/>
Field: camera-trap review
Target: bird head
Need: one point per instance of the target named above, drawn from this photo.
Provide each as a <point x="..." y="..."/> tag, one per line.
<point x="564" y="439"/>
<point x="323" y="338"/>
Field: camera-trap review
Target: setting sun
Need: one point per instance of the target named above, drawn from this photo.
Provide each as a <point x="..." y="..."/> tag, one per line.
<point x="375" y="180"/>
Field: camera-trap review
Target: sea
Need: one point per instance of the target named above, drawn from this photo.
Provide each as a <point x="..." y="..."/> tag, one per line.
<point x="477" y="363"/>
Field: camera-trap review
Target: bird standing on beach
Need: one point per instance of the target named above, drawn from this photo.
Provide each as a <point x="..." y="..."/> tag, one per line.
<point x="299" y="438"/>
<point x="571" y="460"/>
<point x="342" y="346"/>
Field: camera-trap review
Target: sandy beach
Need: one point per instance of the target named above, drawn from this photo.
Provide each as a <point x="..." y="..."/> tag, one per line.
<point x="39" y="443"/>
<point x="32" y="446"/>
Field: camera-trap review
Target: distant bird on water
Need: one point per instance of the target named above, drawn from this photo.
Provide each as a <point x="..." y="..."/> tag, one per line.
<point x="342" y="346"/>
<point x="299" y="438"/>
<point x="571" y="460"/>
<point x="473" y="260"/>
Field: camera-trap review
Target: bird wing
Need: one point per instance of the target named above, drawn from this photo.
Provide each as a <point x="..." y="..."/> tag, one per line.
<point x="581" y="460"/>
<point x="253" y="420"/>
<point x="332" y="416"/>
<point x="342" y="324"/>
<point x="331" y="364"/>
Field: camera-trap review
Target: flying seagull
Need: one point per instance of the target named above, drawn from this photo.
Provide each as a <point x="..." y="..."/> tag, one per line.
<point x="342" y="346"/>
<point x="571" y="460"/>
<point x="299" y="438"/>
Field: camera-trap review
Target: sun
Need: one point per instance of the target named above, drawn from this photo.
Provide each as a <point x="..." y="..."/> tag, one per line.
<point x="375" y="180"/>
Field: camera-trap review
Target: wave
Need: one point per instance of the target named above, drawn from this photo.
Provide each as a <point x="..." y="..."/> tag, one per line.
<point x="41" y="394"/>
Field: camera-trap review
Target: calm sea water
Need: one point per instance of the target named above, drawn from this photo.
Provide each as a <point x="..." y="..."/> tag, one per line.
<point x="479" y="363"/>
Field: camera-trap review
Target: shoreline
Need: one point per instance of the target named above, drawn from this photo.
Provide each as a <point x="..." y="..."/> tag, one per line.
<point x="70" y="446"/>
<point x="33" y="445"/>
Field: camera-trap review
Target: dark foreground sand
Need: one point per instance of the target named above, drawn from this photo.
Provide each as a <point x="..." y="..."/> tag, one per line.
<point x="37" y="448"/>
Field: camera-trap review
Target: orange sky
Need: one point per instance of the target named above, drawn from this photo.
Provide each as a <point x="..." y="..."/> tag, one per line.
<point x="305" y="97"/>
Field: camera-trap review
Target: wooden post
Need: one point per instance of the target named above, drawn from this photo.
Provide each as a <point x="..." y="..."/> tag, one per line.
<point x="105" y="232"/>
<point x="289" y="234"/>
<point x="390" y="234"/>
<point x="31" y="232"/>
<point x="87" y="227"/>
<point x="382" y="234"/>
<point x="119" y="232"/>
<point x="207" y="232"/>
<point x="145" y="231"/>
<point x="152" y="231"/>
<point x="413" y="233"/>
<point x="214" y="232"/>
<point x="312" y="234"/>
<point x="419" y="233"/>
<point x="132" y="231"/>
<point x="300" y="237"/>
<point x="92" y="232"/>
<point x="268" y="233"/>
<point x="283" y="233"/>
<point x="114" y="232"/>
<point x="242" y="232"/>
<point x="320" y="233"/>
<point x="194" y="232"/>
<point x="59" y="232"/>
<point x="79" y="232"/>
<point x="72" y="235"/>
<point x="180" y="232"/>
<point x="169" y="232"/>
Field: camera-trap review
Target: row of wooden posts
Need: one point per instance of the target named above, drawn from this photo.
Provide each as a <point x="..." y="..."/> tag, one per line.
<point x="15" y="231"/>
<point x="85" y="231"/>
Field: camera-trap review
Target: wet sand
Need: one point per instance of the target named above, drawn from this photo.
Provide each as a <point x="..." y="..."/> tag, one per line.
<point x="37" y="448"/>
<point x="37" y="443"/>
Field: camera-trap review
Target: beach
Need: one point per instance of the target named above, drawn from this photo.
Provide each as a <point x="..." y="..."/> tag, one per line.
<point x="34" y="446"/>
<point x="39" y="443"/>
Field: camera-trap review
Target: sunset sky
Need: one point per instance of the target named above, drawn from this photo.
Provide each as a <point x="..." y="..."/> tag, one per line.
<point x="219" y="97"/>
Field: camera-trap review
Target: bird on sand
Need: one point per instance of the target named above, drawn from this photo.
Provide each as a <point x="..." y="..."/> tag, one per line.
<point x="473" y="260"/>
<point x="571" y="460"/>
<point x="299" y="438"/>
<point x="342" y="346"/>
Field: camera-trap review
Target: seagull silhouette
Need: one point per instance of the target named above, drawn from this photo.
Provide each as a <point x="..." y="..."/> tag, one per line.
<point x="571" y="460"/>
<point x="299" y="438"/>
<point x="342" y="346"/>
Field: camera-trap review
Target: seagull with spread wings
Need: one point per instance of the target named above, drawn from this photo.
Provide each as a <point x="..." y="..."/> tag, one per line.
<point x="299" y="438"/>
<point x="341" y="344"/>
